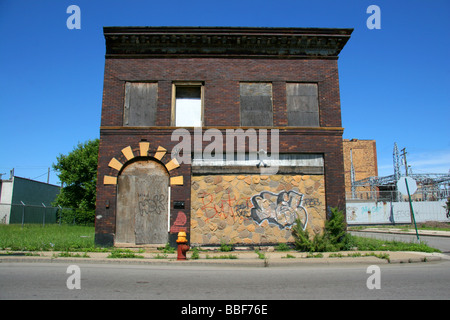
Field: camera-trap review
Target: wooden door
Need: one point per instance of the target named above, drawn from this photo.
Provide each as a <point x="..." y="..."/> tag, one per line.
<point x="142" y="204"/>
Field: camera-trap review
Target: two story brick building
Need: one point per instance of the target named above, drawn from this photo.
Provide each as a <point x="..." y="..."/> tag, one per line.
<point x="230" y="134"/>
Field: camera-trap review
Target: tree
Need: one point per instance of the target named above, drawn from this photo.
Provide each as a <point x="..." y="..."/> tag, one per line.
<point x="77" y="172"/>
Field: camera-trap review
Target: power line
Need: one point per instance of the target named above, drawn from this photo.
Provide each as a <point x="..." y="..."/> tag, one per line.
<point x="39" y="176"/>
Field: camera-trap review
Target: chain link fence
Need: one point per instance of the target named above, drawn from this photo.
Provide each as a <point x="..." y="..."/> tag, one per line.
<point x="13" y="213"/>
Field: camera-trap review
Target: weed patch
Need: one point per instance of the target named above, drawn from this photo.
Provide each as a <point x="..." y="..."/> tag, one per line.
<point x="225" y="256"/>
<point x="119" y="254"/>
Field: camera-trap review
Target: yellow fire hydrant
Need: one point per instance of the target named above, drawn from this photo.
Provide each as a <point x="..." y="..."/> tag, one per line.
<point x="182" y="246"/>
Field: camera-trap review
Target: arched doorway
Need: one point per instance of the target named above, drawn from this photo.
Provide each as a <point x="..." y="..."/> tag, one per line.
<point x="142" y="203"/>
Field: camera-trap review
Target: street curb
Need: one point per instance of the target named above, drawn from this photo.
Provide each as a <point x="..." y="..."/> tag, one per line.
<point x="395" y="257"/>
<point x="190" y="263"/>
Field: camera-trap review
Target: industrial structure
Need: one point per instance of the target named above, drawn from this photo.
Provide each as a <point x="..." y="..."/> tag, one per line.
<point x="431" y="186"/>
<point x="372" y="199"/>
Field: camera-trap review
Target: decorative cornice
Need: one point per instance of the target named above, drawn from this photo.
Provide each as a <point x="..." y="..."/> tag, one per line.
<point x="229" y="42"/>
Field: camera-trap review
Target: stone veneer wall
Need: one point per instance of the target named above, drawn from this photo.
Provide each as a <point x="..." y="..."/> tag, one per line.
<point x="254" y="209"/>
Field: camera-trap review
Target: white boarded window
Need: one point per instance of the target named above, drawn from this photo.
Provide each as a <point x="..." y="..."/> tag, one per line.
<point x="188" y="105"/>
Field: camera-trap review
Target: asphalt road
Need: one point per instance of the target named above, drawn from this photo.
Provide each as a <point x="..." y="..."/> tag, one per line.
<point x="429" y="280"/>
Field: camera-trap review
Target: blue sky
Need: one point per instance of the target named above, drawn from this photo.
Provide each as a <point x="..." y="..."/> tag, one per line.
<point x="394" y="82"/>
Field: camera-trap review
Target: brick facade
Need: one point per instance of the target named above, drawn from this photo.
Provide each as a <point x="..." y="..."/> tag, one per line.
<point x="363" y="153"/>
<point x="220" y="75"/>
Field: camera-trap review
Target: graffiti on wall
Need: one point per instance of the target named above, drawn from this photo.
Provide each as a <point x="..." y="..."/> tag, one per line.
<point x="149" y="205"/>
<point x="282" y="209"/>
<point x="225" y="207"/>
<point x="255" y="208"/>
<point x="179" y="223"/>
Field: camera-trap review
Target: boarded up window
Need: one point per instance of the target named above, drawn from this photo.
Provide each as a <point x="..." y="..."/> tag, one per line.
<point x="140" y="104"/>
<point x="302" y="104"/>
<point x="256" y="104"/>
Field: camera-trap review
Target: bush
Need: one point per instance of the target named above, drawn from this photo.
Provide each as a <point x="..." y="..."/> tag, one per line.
<point x="334" y="237"/>
<point x="76" y="217"/>
<point x="225" y="248"/>
<point x="302" y="240"/>
<point x="336" y="230"/>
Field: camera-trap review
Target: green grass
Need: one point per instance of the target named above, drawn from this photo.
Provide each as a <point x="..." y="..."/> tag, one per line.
<point x="225" y="247"/>
<point x="358" y="254"/>
<point x="369" y="244"/>
<point x="441" y="226"/>
<point x="195" y="254"/>
<point x="312" y="255"/>
<point x="435" y="226"/>
<point x="123" y="254"/>
<point x="282" y="247"/>
<point x="49" y="238"/>
<point x="260" y="254"/>
<point x="81" y="238"/>
<point x="167" y="249"/>
<point x="224" y="256"/>
<point x="67" y="254"/>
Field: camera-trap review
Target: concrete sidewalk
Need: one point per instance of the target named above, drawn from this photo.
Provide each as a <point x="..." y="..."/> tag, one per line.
<point x="244" y="257"/>
<point x="239" y="258"/>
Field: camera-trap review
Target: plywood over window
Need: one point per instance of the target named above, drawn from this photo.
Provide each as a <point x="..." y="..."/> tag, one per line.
<point x="302" y="104"/>
<point x="256" y="104"/>
<point x="140" y="104"/>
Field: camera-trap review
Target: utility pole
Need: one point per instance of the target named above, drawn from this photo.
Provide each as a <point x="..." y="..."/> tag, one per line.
<point x="413" y="219"/>
<point x="404" y="158"/>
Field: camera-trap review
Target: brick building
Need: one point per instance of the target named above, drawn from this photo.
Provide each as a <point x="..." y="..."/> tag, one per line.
<point x="363" y="155"/>
<point x="176" y="98"/>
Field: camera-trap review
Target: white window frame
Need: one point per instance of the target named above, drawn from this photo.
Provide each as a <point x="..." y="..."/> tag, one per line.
<point x="174" y="120"/>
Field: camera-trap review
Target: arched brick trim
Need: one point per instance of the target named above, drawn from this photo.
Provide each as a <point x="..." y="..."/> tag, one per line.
<point x="127" y="153"/>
